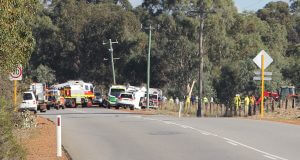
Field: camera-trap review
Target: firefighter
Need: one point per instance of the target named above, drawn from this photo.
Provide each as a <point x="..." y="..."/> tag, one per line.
<point x="237" y="103"/>
<point x="252" y="104"/>
<point x="246" y="105"/>
<point x="62" y="102"/>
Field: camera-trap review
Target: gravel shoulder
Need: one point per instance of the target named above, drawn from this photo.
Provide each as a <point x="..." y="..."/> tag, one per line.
<point x="40" y="142"/>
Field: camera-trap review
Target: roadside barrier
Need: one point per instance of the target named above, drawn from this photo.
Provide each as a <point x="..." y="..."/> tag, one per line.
<point x="58" y="136"/>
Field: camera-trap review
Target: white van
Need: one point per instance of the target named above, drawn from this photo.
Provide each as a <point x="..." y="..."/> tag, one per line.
<point x="29" y="102"/>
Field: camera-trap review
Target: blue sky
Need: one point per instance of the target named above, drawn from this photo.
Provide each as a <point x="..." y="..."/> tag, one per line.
<point x="252" y="5"/>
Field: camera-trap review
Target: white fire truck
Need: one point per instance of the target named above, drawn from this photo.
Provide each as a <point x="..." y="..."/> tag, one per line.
<point x="76" y="93"/>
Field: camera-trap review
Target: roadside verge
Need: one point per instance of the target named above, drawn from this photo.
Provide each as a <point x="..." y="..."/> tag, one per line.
<point x="40" y="142"/>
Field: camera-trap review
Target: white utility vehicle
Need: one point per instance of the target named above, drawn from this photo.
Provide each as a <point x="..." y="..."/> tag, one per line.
<point x="29" y="102"/>
<point x="126" y="100"/>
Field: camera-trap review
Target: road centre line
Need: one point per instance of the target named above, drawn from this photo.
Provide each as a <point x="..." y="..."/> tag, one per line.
<point x="268" y="155"/>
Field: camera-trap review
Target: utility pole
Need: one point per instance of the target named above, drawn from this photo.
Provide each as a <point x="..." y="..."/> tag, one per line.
<point x="201" y="14"/>
<point x="148" y="67"/>
<point x="148" y="64"/>
<point x="200" y="80"/>
<point x="111" y="50"/>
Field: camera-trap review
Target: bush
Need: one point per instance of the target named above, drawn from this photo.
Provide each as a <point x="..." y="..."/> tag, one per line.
<point x="9" y="148"/>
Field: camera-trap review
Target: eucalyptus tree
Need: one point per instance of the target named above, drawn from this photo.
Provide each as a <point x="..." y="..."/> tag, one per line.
<point x="16" y="40"/>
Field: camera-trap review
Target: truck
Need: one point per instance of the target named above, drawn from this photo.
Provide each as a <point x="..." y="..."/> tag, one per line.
<point x="155" y="95"/>
<point x="39" y="91"/>
<point x="76" y="92"/>
<point x="284" y="92"/>
<point x="47" y="98"/>
<point x="55" y="100"/>
<point x="138" y="93"/>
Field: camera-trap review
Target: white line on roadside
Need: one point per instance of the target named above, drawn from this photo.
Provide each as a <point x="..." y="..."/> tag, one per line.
<point x="205" y="133"/>
<point x="233" y="142"/>
<point x="135" y="116"/>
<point x="252" y="148"/>
<point x="270" y="157"/>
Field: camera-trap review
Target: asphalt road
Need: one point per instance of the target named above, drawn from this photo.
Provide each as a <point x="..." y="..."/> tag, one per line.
<point x="103" y="134"/>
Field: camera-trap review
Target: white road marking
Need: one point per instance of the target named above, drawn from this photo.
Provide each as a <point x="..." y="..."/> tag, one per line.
<point x="166" y="122"/>
<point x="233" y="142"/>
<point x="136" y="116"/>
<point x="270" y="157"/>
<point x="184" y="126"/>
<point x="252" y="148"/>
<point x="207" y="134"/>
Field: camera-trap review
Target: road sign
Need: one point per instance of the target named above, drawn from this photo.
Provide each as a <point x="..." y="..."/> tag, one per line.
<point x="267" y="59"/>
<point x="266" y="73"/>
<point x="17" y="74"/>
<point x="259" y="78"/>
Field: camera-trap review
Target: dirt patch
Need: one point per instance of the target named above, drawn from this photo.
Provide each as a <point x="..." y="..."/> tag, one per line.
<point x="290" y="116"/>
<point x="40" y="142"/>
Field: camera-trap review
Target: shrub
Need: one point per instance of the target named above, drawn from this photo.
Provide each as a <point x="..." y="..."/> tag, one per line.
<point x="9" y="148"/>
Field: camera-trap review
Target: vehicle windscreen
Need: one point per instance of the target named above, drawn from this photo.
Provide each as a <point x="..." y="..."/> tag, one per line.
<point x="27" y="96"/>
<point x="116" y="92"/>
<point x="126" y="95"/>
<point x="97" y="94"/>
<point x="153" y="96"/>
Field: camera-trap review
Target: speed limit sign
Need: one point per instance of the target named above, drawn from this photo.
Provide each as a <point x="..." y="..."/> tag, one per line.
<point x="16" y="74"/>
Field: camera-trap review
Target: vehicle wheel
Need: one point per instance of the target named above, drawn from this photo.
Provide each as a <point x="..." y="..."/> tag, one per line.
<point x="131" y="107"/>
<point x="73" y="105"/>
<point x="48" y="107"/>
<point x="117" y="107"/>
<point x="34" y="111"/>
<point x="105" y="104"/>
<point x="108" y="106"/>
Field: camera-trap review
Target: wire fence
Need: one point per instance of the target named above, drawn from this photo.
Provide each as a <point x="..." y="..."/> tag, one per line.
<point x="220" y="110"/>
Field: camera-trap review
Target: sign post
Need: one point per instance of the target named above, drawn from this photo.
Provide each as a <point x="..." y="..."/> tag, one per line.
<point x="262" y="85"/>
<point x="15" y="76"/>
<point x="262" y="60"/>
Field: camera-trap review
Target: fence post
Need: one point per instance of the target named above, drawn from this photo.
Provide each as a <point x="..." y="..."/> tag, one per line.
<point x="180" y="108"/>
<point x="217" y="110"/>
<point x="273" y="105"/>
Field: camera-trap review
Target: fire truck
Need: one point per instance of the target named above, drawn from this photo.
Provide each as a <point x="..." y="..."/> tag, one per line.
<point x="284" y="92"/>
<point x="76" y="93"/>
<point x="46" y="97"/>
